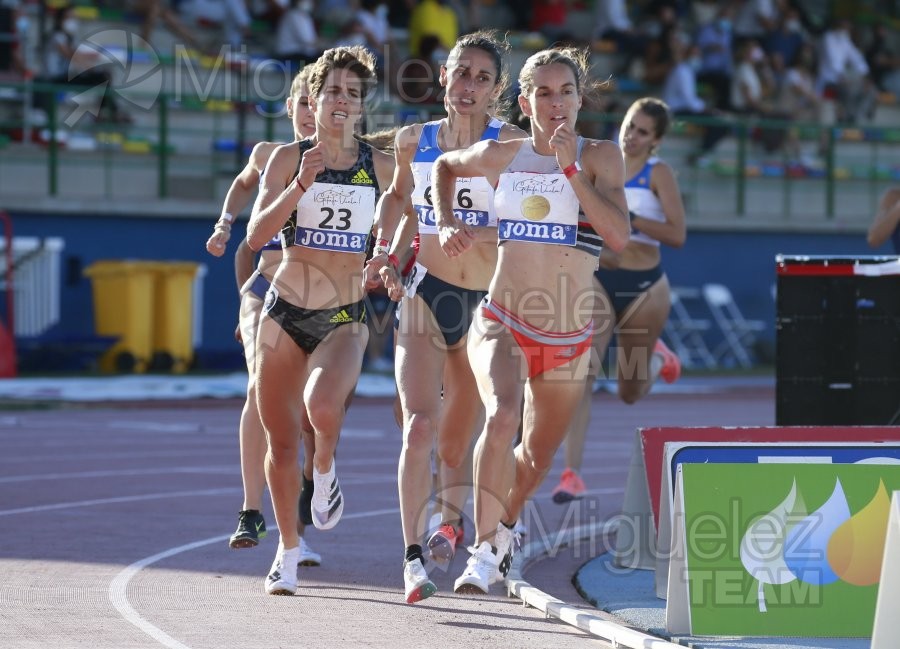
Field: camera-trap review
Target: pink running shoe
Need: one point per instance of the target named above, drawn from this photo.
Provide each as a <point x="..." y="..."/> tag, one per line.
<point x="570" y="487"/>
<point x="671" y="368"/>
<point x="443" y="542"/>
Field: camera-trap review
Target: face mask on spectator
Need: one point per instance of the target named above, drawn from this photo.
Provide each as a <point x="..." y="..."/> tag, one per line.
<point x="792" y="25"/>
<point x="695" y="62"/>
<point x="381" y="11"/>
<point x="70" y="25"/>
<point x="306" y="6"/>
<point x="724" y="24"/>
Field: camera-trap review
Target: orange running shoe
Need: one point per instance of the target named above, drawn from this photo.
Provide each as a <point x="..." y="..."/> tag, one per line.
<point x="570" y="487"/>
<point x="671" y="368"/>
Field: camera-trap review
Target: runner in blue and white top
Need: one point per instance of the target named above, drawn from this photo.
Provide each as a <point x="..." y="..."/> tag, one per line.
<point x="528" y="339"/>
<point x="439" y="304"/>
<point x="886" y="224"/>
<point x="632" y="284"/>
<point x="325" y="188"/>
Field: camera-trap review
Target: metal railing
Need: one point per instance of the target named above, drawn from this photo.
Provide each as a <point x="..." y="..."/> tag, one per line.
<point x="742" y="182"/>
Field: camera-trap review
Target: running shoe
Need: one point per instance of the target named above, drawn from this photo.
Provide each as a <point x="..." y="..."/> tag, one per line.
<point x="444" y="541"/>
<point x="306" y="494"/>
<point x="416" y="582"/>
<point x="282" y="578"/>
<point x="570" y="487"/>
<point x="480" y="571"/>
<point x="327" y="500"/>
<point x="251" y="528"/>
<point x="504" y="541"/>
<point x="308" y="557"/>
<point x="671" y="368"/>
<point x="520" y="529"/>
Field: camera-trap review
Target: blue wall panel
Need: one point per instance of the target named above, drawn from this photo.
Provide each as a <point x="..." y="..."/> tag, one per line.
<point x="744" y="261"/>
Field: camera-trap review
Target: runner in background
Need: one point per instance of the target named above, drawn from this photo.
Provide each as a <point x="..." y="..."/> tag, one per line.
<point x="632" y="285"/>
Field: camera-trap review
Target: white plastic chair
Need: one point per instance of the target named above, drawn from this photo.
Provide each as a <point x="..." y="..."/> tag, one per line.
<point x="738" y="332"/>
<point x="685" y="332"/>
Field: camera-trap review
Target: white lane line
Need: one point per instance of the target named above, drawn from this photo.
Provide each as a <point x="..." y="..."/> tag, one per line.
<point x="225" y="468"/>
<point x="160" y="495"/>
<point x="118" y="587"/>
<point x="121" y="499"/>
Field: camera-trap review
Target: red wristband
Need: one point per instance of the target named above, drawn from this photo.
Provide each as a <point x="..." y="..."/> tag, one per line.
<point x="300" y="185"/>
<point x="572" y="169"/>
<point x="395" y="262"/>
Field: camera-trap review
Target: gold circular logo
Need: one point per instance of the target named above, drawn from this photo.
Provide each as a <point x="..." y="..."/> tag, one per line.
<point x="534" y="208"/>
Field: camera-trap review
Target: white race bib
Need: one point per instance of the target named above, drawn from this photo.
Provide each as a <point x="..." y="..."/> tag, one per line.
<point x="335" y="217"/>
<point x="537" y="208"/>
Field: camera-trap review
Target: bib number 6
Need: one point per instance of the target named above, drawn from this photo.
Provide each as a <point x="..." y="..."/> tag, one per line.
<point x="462" y="197"/>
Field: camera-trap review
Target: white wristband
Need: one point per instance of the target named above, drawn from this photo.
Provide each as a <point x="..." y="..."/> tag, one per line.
<point x="228" y="218"/>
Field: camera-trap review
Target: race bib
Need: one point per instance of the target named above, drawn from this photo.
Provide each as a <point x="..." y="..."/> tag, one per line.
<point x="335" y="217"/>
<point x="537" y="208"/>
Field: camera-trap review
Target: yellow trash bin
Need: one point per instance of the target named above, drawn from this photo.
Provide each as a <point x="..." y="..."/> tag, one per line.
<point x="123" y="307"/>
<point x="173" y="320"/>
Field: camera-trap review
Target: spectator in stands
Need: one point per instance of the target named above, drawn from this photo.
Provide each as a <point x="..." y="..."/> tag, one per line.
<point x="231" y="15"/>
<point x="65" y="62"/>
<point x="612" y="23"/>
<point x="680" y="93"/>
<point x="883" y="60"/>
<point x="657" y="59"/>
<point x="435" y="18"/>
<point x="753" y="20"/>
<point x="783" y="43"/>
<point x="372" y="19"/>
<point x="714" y="43"/>
<point x="796" y="96"/>
<point x="844" y="75"/>
<point x="549" y="18"/>
<point x="887" y="221"/>
<point x="296" y="39"/>
<point x="153" y="10"/>
<point x="268" y="11"/>
<point x="418" y="79"/>
<point x="753" y="83"/>
<point x="753" y="94"/>
<point x="11" y="59"/>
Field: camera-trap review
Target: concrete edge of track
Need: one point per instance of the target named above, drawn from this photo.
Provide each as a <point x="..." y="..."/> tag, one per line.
<point x="616" y="634"/>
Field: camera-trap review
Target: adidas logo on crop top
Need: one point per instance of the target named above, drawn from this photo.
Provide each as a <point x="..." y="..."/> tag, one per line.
<point x="536" y="203"/>
<point x="473" y="202"/>
<point x="336" y="212"/>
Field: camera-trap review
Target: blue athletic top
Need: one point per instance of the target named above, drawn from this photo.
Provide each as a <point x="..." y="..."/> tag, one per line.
<point x="474" y="198"/>
<point x="643" y="202"/>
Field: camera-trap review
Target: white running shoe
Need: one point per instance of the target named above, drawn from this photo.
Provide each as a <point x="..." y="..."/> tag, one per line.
<point x="307" y="556"/>
<point x="504" y="540"/>
<point x="282" y="578"/>
<point x="520" y="528"/>
<point x="416" y="582"/>
<point x="327" y="499"/>
<point x="480" y="570"/>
